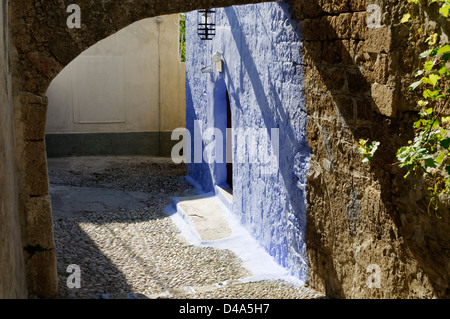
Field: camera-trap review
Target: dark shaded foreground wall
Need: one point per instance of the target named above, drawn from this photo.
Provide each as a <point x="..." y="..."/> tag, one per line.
<point x="12" y="275"/>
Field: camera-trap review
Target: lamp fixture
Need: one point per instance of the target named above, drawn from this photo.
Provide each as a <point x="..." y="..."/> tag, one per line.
<point x="206" y="20"/>
<point x="217" y="58"/>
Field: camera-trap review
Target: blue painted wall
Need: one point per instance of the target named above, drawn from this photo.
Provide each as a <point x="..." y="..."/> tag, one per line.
<point x="262" y="72"/>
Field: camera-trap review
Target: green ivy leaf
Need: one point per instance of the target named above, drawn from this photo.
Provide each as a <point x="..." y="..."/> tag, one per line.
<point x="444" y="49"/>
<point x="444" y="10"/>
<point x="406" y="18"/>
<point x="432" y="39"/>
<point x="445" y="143"/>
<point x="434" y="78"/>
<point x="440" y="158"/>
<point x="422" y="103"/>
<point x="428" y="66"/>
<point x="429" y="162"/>
<point x="444" y="70"/>
<point x="446" y="57"/>
<point x="428" y="94"/>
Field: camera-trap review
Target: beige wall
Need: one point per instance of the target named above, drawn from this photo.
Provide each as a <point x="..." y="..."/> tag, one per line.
<point x="173" y="92"/>
<point x="114" y="86"/>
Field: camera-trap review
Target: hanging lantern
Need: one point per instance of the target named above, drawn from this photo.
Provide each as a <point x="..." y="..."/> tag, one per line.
<point x="206" y="29"/>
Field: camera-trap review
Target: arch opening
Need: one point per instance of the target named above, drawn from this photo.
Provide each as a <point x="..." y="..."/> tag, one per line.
<point x="109" y="120"/>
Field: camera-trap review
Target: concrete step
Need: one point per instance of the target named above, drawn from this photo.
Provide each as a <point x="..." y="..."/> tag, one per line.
<point x="204" y="215"/>
<point x="204" y="220"/>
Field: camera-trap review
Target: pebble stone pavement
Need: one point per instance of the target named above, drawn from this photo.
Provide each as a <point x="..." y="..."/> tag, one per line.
<point x="140" y="254"/>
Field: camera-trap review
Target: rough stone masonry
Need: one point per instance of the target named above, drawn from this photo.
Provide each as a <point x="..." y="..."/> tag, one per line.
<point x="355" y="87"/>
<point x="359" y="218"/>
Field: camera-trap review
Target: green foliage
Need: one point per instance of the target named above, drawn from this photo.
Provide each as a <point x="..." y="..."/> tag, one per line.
<point x="182" y="37"/>
<point x="368" y="150"/>
<point x="429" y="151"/>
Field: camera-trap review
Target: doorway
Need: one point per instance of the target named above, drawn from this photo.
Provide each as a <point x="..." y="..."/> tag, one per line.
<point x="229" y="148"/>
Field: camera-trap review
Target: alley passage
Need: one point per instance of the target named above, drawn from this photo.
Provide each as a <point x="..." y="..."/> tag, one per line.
<point x="109" y="219"/>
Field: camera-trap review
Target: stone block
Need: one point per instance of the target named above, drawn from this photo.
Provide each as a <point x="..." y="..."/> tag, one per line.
<point x="29" y="98"/>
<point x="357" y="82"/>
<point x="338" y="52"/>
<point x="322" y="104"/>
<point x="306" y="9"/>
<point x="39" y="222"/>
<point x="36" y="172"/>
<point x="46" y="65"/>
<point x="334" y="79"/>
<point x="346" y="108"/>
<point x="335" y="6"/>
<point x="376" y="70"/>
<point x="34" y="119"/>
<point x="43" y="272"/>
<point x="384" y="99"/>
<point x="357" y="5"/>
<point x="337" y="27"/>
<point x="364" y="112"/>
<point x="315" y="29"/>
<point x="313" y="80"/>
<point x="312" y="52"/>
<point x="358" y="26"/>
<point x="378" y="40"/>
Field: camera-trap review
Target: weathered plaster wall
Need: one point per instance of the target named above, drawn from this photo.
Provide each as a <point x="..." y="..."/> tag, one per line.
<point x="261" y="47"/>
<point x="360" y="217"/>
<point x="12" y="278"/>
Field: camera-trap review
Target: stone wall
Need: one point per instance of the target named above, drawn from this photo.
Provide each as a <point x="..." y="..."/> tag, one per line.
<point x="364" y="220"/>
<point x="12" y="279"/>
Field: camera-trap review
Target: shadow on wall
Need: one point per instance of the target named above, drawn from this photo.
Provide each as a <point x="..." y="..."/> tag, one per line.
<point x="200" y="174"/>
<point x="344" y="209"/>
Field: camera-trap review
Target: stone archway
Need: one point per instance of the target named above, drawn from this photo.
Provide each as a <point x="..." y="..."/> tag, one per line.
<point x="42" y="45"/>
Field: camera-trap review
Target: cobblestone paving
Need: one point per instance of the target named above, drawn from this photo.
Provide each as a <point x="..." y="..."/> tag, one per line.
<point x="140" y="253"/>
